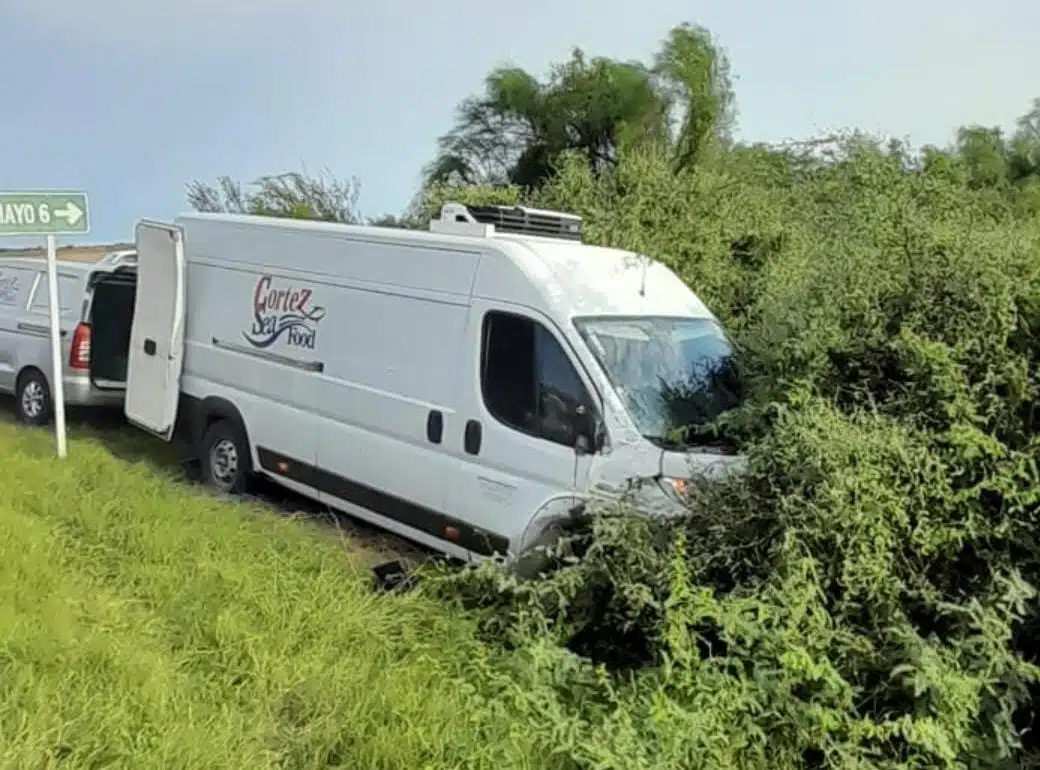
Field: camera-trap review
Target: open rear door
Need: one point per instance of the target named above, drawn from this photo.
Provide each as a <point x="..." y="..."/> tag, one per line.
<point x="157" y="337"/>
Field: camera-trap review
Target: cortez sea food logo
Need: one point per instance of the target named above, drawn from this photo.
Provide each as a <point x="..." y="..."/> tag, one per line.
<point x="8" y="289"/>
<point x="283" y="311"/>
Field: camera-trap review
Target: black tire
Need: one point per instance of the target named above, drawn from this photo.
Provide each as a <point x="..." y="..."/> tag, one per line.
<point x="33" y="398"/>
<point x="227" y="466"/>
<point x="534" y="561"/>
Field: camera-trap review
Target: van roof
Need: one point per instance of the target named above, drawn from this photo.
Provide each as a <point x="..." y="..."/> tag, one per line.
<point x="570" y="278"/>
<point x="584" y="280"/>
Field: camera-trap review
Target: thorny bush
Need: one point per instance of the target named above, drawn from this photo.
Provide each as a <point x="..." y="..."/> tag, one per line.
<point x="862" y="596"/>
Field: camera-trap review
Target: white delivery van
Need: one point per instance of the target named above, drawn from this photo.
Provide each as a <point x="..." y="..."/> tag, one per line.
<point x="25" y="344"/>
<point x="465" y="387"/>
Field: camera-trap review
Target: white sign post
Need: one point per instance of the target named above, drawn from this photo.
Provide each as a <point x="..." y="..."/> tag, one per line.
<point x="49" y="214"/>
<point x="58" y="384"/>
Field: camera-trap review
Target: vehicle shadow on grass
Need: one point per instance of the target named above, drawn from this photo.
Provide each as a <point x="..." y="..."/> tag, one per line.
<point x="109" y="429"/>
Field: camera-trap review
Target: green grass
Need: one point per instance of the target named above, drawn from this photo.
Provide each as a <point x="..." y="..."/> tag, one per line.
<point x="145" y="624"/>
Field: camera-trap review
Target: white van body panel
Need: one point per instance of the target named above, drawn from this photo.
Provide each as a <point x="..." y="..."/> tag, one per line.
<point x="353" y="356"/>
<point x="25" y="322"/>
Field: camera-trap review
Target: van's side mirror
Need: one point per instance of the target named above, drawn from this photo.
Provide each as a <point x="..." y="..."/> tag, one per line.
<point x="588" y="430"/>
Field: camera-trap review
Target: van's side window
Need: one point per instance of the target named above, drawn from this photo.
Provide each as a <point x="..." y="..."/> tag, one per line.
<point x="560" y="390"/>
<point x="67" y="287"/>
<point x="527" y="379"/>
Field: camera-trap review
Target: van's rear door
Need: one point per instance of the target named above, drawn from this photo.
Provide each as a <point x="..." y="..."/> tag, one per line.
<point x="157" y="336"/>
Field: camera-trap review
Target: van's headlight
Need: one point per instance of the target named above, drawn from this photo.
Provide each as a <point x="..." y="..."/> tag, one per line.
<point x="674" y="488"/>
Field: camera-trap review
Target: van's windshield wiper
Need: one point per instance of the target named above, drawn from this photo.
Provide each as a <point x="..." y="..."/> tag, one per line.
<point x="700" y="440"/>
<point x="665" y="443"/>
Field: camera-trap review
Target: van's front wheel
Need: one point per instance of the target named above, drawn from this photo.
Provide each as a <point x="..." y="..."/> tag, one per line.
<point x="34" y="398"/>
<point x="535" y="561"/>
<point x="226" y="464"/>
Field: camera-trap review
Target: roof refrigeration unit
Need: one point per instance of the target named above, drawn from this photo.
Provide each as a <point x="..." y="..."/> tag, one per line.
<point x="485" y="221"/>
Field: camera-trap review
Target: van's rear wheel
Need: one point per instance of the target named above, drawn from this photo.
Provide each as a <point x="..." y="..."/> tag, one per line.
<point x="226" y="464"/>
<point x="33" y="398"/>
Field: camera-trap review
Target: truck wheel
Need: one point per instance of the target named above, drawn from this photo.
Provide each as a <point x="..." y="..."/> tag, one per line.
<point x="534" y="562"/>
<point x="33" y="398"/>
<point x="226" y="463"/>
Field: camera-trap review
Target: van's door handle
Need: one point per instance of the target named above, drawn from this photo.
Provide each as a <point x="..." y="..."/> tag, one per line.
<point x="434" y="426"/>
<point x="149" y="347"/>
<point x="471" y="439"/>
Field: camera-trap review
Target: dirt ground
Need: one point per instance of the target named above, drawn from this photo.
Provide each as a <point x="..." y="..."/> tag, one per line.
<point x="88" y="253"/>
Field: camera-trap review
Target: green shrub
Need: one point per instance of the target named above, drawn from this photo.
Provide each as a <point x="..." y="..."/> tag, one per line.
<point x="862" y="596"/>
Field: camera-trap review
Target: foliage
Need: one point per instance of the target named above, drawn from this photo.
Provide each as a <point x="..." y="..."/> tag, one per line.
<point x="989" y="160"/>
<point x="402" y="222"/>
<point x="862" y="596"/>
<point x="294" y="195"/>
<point x="693" y="72"/>
<point x="516" y="131"/>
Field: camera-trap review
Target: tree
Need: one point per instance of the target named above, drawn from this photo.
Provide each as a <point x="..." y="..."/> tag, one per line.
<point x="293" y="195"/>
<point x="1024" y="148"/>
<point x="694" y="74"/>
<point x="517" y="130"/>
<point x="984" y="154"/>
<point x="399" y="222"/>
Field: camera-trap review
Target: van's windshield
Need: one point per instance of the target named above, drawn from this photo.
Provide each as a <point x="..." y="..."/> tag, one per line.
<point x="671" y="373"/>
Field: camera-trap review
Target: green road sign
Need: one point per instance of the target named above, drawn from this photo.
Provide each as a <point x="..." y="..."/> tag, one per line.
<point x="44" y="213"/>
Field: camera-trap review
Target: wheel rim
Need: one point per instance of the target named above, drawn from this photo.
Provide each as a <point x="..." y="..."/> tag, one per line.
<point x="33" y="399"/>
<point x="223" y="463"/>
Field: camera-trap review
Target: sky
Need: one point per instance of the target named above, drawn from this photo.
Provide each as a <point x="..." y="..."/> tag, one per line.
<point x="129" y="100"/>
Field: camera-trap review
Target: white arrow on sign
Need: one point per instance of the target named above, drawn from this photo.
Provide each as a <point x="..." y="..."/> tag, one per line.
<point x="71" y="213"/>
